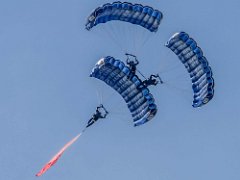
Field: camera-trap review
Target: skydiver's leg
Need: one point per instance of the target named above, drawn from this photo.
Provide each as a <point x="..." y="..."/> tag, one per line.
<point x="156" y="76"/>
<point x="130" y="76"/>
<point x="90" y="122"/>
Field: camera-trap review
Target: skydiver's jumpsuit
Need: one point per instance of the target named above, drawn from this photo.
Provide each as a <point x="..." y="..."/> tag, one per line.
<point x="151" y="81"/>
<point x="97" y="115"/>
<point x="132" y="66"/>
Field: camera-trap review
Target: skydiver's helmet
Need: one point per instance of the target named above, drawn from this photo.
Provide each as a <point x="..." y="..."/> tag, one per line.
<point x="131" y="63"/>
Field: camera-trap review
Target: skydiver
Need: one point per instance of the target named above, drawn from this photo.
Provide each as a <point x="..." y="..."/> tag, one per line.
<point x="152" y="80"/>
<point x="132" y="64"/>
<point x="97" y="115"/>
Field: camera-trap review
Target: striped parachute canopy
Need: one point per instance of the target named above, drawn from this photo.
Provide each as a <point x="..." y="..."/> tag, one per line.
<point x="144" y="16"/>
<point x="197" y="66"/>
<point x="139" y="100"/>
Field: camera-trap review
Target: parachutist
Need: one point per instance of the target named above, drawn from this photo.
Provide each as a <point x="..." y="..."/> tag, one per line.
<point x="115" y="74"/>
<point x="97" y="115"/>
<point x="132" y="63"/>
<point x="152" y="80"/>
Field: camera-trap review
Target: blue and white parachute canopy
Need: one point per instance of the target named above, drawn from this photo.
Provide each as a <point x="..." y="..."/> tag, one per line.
<point x="196" y="64"/>
<point x="144" y="16"/>
<point x="138" y="98"/>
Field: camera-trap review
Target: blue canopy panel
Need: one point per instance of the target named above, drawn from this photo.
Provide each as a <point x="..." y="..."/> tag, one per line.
<point x="144" y="16"/>
<point x="196" y="64"/>
<point x="139" y="100"/>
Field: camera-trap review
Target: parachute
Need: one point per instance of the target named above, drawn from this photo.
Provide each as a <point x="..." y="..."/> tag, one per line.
<point x="144" y="16"/>
<point x="57" y="156"/>
<point x="197" y="66"/>
<point x="138" y="98"/>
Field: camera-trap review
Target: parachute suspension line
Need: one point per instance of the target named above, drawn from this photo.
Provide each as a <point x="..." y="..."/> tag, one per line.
<point x="143" y="39"/>
<point x="134" y="34"/>
<point x="169" y="68"/>
<point x="167" y="63"/>
<point x="108" y="98"/>
<point x="122" y="116"/>
<point x="141" y="74"/>
<point x="128" y="41"/>
<point x="123" y="35"/>
<point x="137" y="39"/>
<point x="185" y="93"/>
<point x="99" y="96"/>
<point x="114" y="27"/>
<point x="112" y="36"/>
<point x="176" y="81"/>
<point x="128" y="44"/>
<point x="172" y="64"/>
<point x="164" y="64"/>
<point x="179" y="78"/>
<point x="177" y="88"/>
<point x="104" y="33"/>
<point x="96" y="34"/>
<point x="117" y="109"/>
<point x="103" y="98"/>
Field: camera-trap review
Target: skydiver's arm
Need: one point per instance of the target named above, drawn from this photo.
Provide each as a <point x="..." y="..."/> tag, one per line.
<point x="153" y="75"/>
<point x="137" y="62"/>
<point x="105" y="109"/>
<point x="105" y="115"/>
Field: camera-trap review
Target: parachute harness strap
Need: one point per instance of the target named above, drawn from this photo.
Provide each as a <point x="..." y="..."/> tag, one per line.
<point x="141" y="74"/>
<point x="135" y="62"/>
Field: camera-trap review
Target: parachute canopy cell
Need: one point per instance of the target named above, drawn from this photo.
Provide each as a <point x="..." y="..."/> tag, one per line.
<point x="197" y="66"/>
<point x="139" y="100"/>
<point x="144" y="16"/>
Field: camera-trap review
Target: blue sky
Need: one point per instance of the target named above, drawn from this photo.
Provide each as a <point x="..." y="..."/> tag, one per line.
<point x="47" y="96"/>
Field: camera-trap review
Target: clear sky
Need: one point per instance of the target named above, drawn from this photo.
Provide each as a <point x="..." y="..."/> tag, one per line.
<point x="47" y="96"/>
